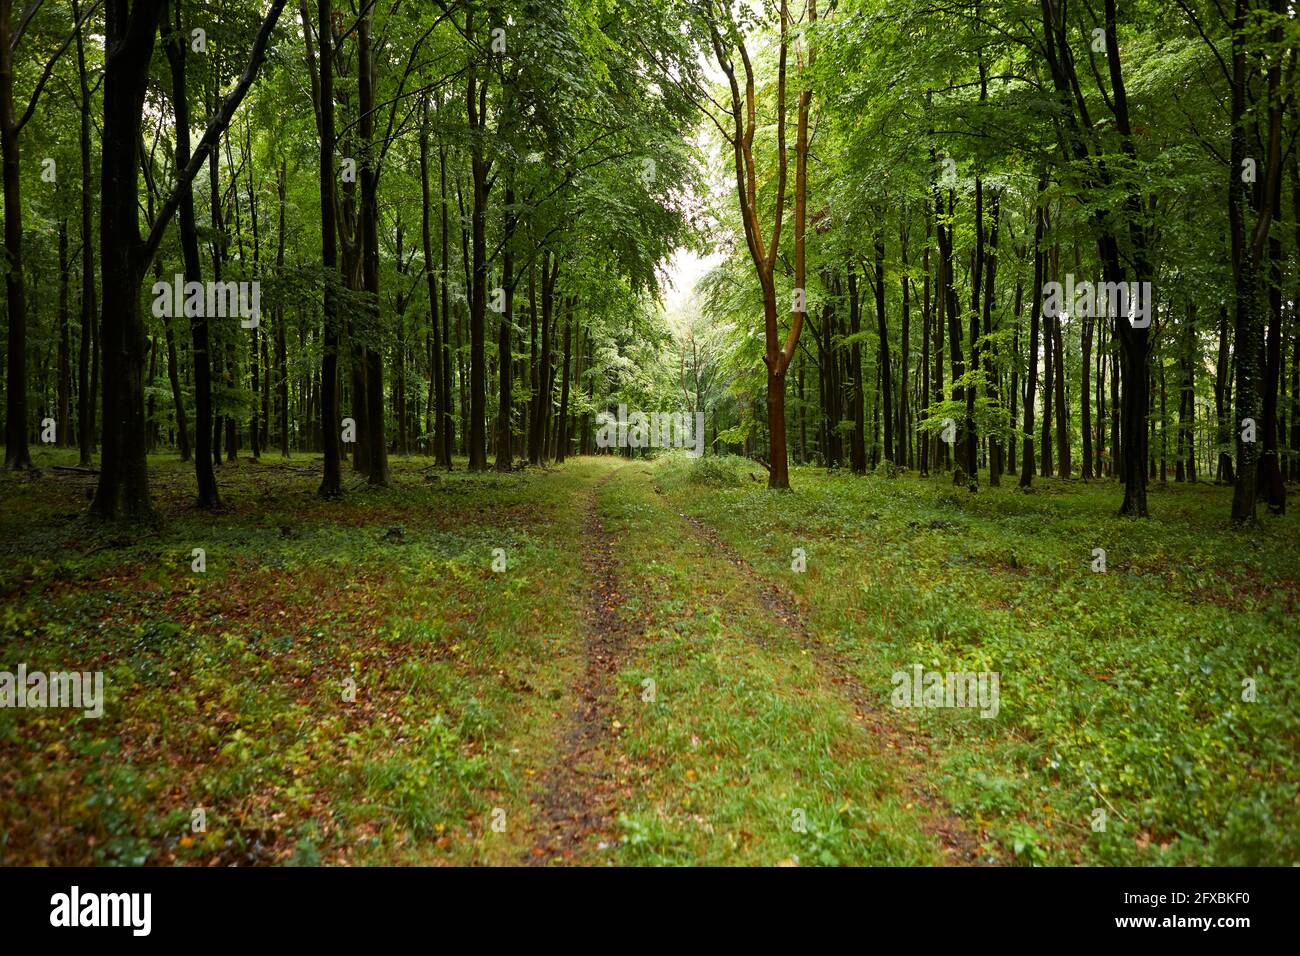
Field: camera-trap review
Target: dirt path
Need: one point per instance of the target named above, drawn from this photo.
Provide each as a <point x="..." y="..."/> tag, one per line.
<point x="907" y="749"/>
<point x="579" y="791"/>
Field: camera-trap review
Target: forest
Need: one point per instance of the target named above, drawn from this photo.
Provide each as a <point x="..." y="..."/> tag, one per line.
<point x="731" y="432"/>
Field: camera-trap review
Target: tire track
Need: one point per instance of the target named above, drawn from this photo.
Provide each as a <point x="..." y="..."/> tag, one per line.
<point x="909" y="750"/>
<point x="580" y="790"/>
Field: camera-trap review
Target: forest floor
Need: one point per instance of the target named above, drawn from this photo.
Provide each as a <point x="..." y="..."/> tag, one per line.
<point x="649" y="679"/>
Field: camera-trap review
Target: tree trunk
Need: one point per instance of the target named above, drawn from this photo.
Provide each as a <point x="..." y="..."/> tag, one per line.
<point x="505" y="357"/>
<point x="476" y="110"/>
<point x="331" y="482"/>
<point x="1031" y="369"/>
<point x="882" y="328"/>
<point x="369" y="177"/>
<point x="123" y="489"/>
<point x="281" y="348"/>
<point x="1085" y="397"/>
<point x="904" y="361"/>
<point x="436" y="390"/>
<point x="17" y="454"/>
<point x="174" y="46"/>
<point x="87" y="361"/>
<point x="1063" y="468"/>
<point x="990" y="366"/>
<point x="858" y="446"/>
<point x="65" y="345"/>
<point x="562" y="439"/>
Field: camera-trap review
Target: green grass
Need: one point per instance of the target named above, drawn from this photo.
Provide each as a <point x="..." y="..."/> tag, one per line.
<point x="743" y="734"/>
<point x="226" y="690"/>
<point x="1119" y="690"/>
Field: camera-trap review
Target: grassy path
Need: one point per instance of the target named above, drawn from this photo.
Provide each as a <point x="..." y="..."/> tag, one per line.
<point x="580" y="788"/>
<point x="732" y="743"/>
<point x="892" y="744"/>
<point x="616" y="662"/>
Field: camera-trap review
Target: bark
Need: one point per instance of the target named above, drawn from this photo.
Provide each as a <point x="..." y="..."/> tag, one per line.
<point x="562" y="439"/>
<point x="858" y="447"/>
<point x="776" y="357"/>
<point x="925" y="441"/>
<point x="123" y="489"/>
<point x="505" y="358"/>
<point x="87" y="357"/>
<point x="331" y="482"/>
<point x="65" y="346"/>
<point x="448" y="425"/>
<point x="904" y="361"/>
<point x="882" y="329"/>
<point x="990" y="366"/>
<point x="1031" y="368"/>
<point x="476" y="111"/>
<point x="369" y="176"/>
<point x="175" y="46"/>
<point x="1063" y="468"/>
<point x="1085" y="397"/>
<point x="281" y="347"/>
<point x="431" y="279"/>
<point x="17" y="454"/>
<point x="962" y="467"/>
<point x="968" y="434"/>
<point x="1049" y="370"/>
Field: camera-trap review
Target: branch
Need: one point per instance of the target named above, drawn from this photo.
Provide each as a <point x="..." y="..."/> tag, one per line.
<point x="22" y="24"/>
<point x="215" y="128"/>
<point x="49" y="68"/>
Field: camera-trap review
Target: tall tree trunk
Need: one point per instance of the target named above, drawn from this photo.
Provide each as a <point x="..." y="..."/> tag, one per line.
<point x="1049" y="370"/>
<point x="924" y="437"/>
<point x="858" y="445"/>
<point x="178" y="396"/>
<point x="905" y="359"/>
<point x="882" y="328"/>
<point x="369" y="176"/>
<point x="175" y="46"/>
<point x="990" y="365"/>
<point x="65" y="344"/>
<point x="1031" y="367"/>
<point x="1085" y="397"/>
<point x="505" y="356"/>
<point x="942" y="449"/>
<point x="476" y="111"/>
<point x="1018" y="312"/>
<point x="962" y="466"/>
<point x="17" y="454"/>
<point x="123" y="489"/>
<point x="436" y="390"/>
<point x="448" y="409"/>
<point x="331" y="482"/>
<point x="969" y="436"/>
<point x="562" y="441"/>
<point x="281" y="320"/>
<point x="1063" y="468"/>
<point x="1271" y="484"/>
<point x="1248" y="338"/>
<point x="87" y="360"/>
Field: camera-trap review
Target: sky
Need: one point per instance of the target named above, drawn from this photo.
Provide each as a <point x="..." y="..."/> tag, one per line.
<point x="685" y="269"/>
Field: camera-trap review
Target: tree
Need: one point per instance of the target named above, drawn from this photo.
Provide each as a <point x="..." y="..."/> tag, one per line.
<point x="17" y="454"/>
<point x="727" y="36"/>
<point x="130" y="29"/>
